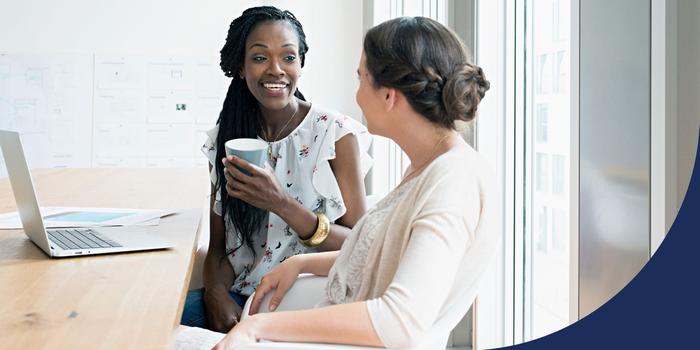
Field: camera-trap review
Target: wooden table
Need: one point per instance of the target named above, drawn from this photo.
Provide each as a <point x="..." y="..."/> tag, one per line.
<point x="118" y="301"/>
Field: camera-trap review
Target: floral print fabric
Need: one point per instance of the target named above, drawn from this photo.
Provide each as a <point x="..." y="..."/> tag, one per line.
<point x="301" y="165"/>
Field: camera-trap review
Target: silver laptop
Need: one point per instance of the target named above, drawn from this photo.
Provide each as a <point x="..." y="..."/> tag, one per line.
<point x="65" y="242"/>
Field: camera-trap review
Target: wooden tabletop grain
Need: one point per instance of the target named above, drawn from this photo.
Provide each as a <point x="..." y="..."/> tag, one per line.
<point x="117" y="301"/>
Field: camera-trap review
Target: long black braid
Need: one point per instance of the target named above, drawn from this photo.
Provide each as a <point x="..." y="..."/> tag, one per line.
<point x="240" y="115"/>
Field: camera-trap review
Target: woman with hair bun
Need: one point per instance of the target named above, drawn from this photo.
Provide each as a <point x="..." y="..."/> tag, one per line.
<point x="411" y="266"/>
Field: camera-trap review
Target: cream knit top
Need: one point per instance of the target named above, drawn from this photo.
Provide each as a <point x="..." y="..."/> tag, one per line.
<point x="417" y="258"/>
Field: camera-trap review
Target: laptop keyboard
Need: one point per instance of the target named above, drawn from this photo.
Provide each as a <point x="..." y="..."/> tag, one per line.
<point x="73" y="238"/>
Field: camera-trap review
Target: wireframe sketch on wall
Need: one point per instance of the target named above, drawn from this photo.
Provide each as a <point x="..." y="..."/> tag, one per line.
<point x="110" y="110"/>
<point x="47" y="98"/>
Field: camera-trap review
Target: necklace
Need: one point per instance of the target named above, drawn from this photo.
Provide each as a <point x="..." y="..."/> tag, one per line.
<point x="427" y="161"/>
<point x="269" y="143"/>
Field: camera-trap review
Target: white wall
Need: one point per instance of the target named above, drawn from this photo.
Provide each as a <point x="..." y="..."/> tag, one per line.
<point x="127" y="26"/>
<point x="172" y="27"/>
<point x="179" y="28"/>
<point x="334" y="34"/>
<point x="688" y="90"/>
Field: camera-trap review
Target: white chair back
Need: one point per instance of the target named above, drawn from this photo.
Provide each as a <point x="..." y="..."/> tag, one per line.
<point x="309" y="290"/>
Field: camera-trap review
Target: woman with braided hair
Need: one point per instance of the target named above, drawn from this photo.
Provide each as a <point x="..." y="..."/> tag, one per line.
<point x="411" y="266"/>
<point x="311" y="191"/>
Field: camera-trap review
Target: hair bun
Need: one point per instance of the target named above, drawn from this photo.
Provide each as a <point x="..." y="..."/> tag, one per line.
<point x="463" y="91"/>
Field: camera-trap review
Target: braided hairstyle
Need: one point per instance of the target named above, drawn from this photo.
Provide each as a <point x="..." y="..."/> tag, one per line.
<point x="240" y="116"/>
<point x="429" y="65"/>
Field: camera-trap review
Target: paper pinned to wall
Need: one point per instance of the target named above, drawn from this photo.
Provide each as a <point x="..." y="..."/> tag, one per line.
<point x="46" y="98"/>
<point x="119" y="72"/>
<point x="108" y="110"/>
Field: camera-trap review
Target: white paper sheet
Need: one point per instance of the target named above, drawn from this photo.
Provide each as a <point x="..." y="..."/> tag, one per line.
<point x="89" y="217"/>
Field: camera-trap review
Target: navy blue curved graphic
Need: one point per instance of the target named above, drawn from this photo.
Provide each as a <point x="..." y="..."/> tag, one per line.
<point x="660" y="307"/>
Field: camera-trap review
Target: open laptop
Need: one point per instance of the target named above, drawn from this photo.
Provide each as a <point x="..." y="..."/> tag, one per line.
<point x="65" y="242"/>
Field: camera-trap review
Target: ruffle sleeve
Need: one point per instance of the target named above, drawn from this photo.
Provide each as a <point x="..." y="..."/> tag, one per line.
<point x="323" y="179"/>
<point x="209" y="150"/>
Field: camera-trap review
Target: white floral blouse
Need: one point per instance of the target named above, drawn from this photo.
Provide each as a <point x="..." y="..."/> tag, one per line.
<point x="300" y="163"/>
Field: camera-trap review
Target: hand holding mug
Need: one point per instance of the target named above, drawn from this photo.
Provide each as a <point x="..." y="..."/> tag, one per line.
<point x="253" y="184"/>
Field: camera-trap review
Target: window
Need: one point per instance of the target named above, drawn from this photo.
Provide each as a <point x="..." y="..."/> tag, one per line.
<point x="560" y="240"/>
<point x="541" y="224"/>
<point x="546" y="144"/>
<point x="542" y="172"/>
<point x="558" y="179"/>
<point x="541" y="116"/>
<point x="560" y="13"/>
<point x="389" y="160"/>
<point x="544" y="76"/>
<point x="561" y="69"/>
<point x="524" y="47"/>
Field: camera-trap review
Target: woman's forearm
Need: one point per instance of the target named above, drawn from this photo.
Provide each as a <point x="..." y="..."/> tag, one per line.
<point x="336" y="324"/>
<point x="218" y="273"/>
<point x="318" y="264"/>
<point x="304" y="223"/>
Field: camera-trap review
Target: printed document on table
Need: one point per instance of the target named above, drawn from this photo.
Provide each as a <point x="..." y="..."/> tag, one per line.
<point x="89" y="217"/>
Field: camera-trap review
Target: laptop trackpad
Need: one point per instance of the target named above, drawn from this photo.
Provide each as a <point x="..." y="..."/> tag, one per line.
<point x="135" y="236"/>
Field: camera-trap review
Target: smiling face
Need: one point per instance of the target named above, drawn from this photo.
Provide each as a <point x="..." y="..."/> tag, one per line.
<point x="272" y="65"/>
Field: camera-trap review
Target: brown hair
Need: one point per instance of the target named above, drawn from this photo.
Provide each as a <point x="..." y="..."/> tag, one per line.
<point x="428" y="63"/>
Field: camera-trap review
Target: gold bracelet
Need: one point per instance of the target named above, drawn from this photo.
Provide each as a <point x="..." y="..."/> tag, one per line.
<point x="322" y="231"/>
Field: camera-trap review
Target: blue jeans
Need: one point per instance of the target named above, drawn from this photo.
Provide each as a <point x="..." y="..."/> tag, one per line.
<point x="195" y="311"/>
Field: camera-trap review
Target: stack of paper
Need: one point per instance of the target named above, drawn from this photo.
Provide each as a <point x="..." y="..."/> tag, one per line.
<point x="88" y="217"/>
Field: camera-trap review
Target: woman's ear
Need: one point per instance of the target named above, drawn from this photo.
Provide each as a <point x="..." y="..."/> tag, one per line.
<point x="391" y="97"/>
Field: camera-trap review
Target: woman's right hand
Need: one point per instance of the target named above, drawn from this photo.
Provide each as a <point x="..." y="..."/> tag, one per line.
<point x="222" y="311"/>
<point x="281" y="278"/>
